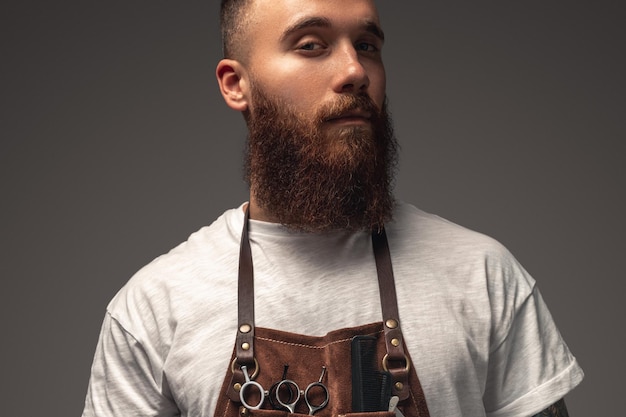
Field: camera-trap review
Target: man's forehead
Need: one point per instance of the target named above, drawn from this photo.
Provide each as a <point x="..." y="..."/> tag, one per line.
<point x="284" y="15"/>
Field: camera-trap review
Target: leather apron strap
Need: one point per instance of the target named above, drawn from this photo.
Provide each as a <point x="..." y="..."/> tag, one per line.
<point x="245" y="331"/>
<point x="395" y="361"/>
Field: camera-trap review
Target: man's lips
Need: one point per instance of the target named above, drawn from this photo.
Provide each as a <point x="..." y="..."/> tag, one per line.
<point x="351" y="116"/>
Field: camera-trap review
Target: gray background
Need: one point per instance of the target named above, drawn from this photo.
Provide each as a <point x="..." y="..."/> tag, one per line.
<point x="115" y="146"/>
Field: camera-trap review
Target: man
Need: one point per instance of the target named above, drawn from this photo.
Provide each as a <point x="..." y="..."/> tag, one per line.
<point x="325" y="238"/>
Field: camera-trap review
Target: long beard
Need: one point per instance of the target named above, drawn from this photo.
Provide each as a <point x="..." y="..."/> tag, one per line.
<point x="314" y="180"/>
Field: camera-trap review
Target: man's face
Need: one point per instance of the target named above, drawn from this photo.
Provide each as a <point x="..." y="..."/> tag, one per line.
<point x="307" y="52"/>
<point x="321" y="148"/>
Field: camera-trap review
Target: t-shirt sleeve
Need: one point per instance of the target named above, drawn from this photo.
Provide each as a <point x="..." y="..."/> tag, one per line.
<point x="530" y="366"/>
<point x="123" y="380"/>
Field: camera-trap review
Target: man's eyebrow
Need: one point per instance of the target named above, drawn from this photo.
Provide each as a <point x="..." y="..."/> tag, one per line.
<point x="306" y="22"/>
<point x="322" y="22"/>
<point x="375" y="29"/>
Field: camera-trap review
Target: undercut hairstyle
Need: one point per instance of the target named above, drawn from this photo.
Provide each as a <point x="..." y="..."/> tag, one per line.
<point x="233" y="24"/>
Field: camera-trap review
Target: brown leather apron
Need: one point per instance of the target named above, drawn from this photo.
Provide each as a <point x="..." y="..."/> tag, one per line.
<point x="265" y="352"/>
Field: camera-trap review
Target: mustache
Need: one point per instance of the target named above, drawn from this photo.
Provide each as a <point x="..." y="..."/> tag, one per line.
<point x="345" y="104"/>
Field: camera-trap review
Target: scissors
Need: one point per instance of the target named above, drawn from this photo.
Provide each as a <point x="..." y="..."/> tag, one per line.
<point x="254" y="386"/>
<point x="251" y="387"/>
<point x="286" y="392"/>
<point x="290" y="404"/>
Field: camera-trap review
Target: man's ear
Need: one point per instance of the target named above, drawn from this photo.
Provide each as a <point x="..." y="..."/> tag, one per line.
<point x="233" y="84"/>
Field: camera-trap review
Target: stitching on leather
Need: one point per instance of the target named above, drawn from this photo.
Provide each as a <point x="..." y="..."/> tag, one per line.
<point x="311" y="346"/>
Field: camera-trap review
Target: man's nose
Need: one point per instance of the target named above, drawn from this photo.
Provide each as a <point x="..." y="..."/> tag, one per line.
<point x="350" y="76"/>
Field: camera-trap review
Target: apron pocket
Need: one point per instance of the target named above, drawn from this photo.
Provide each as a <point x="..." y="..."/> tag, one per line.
<point x="273" y="413"/>
<point x="369" y="414"/>
<point x="280" y="413"/>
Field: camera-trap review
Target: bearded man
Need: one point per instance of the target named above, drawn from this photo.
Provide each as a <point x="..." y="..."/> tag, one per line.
<point x="337" y="298"/>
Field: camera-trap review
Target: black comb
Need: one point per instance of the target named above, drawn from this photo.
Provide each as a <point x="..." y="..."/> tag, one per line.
<point x="371" y="387"/>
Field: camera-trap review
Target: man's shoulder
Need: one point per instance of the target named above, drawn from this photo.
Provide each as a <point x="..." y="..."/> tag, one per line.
<point x="195" y="266"/>
<point x="434" y="246"/>
<point x="431" y="230"/>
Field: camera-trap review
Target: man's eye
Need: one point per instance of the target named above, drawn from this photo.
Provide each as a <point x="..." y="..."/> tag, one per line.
<point x="310" y="46"/>
<point x="366" y="47"/>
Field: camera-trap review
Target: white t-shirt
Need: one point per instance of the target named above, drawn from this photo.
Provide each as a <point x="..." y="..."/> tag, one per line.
<point x="479" y="334"/>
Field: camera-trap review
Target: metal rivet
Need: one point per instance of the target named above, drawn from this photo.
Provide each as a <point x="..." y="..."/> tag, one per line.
<point x="395" y="342"/>
<point x="245" y="328"/>
<point x="245" y="346"/>
<point x="399" y="386"/>
<point x="237" y="387"/>
<point x="391" y="323"/>
<point x="243" y="411"/>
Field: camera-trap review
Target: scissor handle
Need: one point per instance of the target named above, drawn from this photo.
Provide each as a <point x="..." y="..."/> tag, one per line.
<point x="273" y="394"/>
<point x="292" y="386"/>
<point x="249" y="384"/>
<point x="315" y="408"/>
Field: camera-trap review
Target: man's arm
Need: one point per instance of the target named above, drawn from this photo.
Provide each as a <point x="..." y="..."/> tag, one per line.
<point x="557" y="409"/>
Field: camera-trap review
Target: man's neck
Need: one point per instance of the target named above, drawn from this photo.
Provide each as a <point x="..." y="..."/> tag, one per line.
<point x="258" y="213"/>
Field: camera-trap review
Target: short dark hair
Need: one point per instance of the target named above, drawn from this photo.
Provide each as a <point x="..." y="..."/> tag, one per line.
<point x="233" y="22"/>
